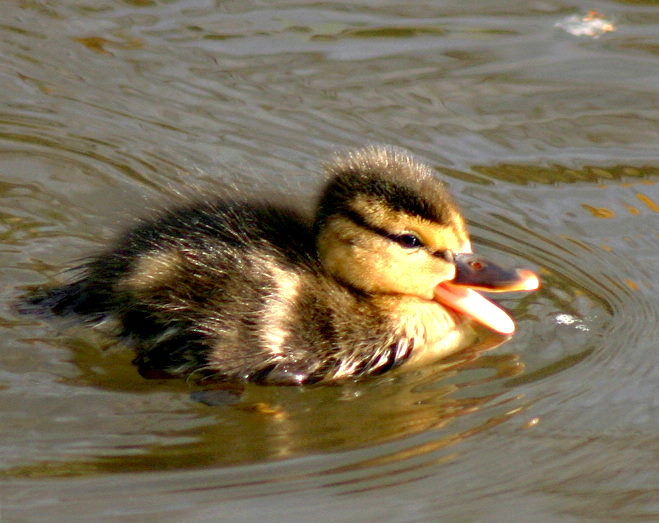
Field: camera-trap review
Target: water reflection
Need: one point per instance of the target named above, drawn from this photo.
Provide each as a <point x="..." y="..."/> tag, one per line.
<point x="283" y="422"/>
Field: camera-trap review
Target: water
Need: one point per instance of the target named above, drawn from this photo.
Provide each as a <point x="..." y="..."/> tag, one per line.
<point x="548" y="141"/>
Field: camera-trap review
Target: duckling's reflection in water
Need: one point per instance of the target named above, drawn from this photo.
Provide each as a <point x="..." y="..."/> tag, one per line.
<point x="244" y="291"/>
<point x="461" y="396"/>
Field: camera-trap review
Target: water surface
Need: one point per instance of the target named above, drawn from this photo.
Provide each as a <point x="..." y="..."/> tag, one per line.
<point x="549" y="142"/>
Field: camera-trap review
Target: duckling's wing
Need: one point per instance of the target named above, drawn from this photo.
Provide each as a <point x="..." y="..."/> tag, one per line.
<point x="190" y="282"/>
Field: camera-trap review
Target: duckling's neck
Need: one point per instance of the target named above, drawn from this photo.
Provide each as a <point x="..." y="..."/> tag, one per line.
<point x="433" y="330"/>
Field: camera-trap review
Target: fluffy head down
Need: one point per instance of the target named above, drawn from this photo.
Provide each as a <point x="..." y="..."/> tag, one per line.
<point x="385" y="224"/>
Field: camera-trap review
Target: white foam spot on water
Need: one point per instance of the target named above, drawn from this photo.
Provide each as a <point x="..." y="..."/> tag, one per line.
<point x="568" y="319"/>
<point x="592" y="24"/>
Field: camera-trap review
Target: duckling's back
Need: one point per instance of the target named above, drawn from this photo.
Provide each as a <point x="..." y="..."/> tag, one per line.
<point x="232" y="289"/>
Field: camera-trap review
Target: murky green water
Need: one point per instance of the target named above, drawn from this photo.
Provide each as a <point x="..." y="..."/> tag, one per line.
<point x="549" y="142"/>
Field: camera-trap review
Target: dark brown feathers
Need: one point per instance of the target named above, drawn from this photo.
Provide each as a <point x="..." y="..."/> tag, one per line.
<point x="389" y="175"/>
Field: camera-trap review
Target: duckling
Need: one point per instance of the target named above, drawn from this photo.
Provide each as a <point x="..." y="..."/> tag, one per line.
<point x="382" y="275"/>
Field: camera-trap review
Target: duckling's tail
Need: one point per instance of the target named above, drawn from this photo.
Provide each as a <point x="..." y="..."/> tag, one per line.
<point x="66" y="300"/>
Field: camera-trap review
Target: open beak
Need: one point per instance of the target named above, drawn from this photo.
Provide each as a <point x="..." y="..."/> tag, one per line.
<point x="475" y="273"/>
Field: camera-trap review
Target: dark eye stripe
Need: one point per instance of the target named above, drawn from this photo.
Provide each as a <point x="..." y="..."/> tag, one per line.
<point x="407" y="240"/>
<point x="358" y="219"/>
<point x="444" y="254"/>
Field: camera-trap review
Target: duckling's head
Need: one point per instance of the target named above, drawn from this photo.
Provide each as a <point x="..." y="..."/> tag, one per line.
<point x="385" y="224"/>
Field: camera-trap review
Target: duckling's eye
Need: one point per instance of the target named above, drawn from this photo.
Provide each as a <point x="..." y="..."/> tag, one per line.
<point x="407" y="240"/>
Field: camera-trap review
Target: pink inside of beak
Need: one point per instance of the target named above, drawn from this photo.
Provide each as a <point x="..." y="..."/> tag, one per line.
<point x="476" y="306"/>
